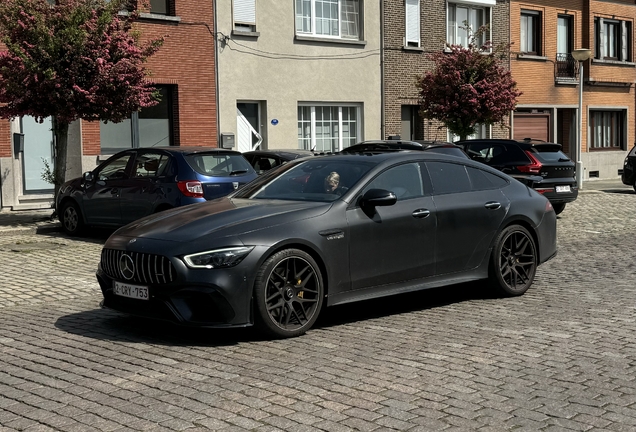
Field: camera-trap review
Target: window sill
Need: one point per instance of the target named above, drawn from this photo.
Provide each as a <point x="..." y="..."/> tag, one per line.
<point x="412" y="48"/>
<point x="613" y="63"/>
<point x="522" y="56"/>
<point x="250" y="34"/>
<point x="330" y="40"/>
<point x="157" y="17"/>
<point x="447" y="50"/>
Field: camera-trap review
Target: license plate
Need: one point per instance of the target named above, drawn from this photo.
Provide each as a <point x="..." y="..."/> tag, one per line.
<point x="563" y="188"/>
<point x="131" y="291"/>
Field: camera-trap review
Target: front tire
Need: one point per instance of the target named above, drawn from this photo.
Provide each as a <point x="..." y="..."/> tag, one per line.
<point x="288" y="293"/>
<point x="71" y="219"/>
<point x="514" y="261"/>
<point x="558" y="207"/>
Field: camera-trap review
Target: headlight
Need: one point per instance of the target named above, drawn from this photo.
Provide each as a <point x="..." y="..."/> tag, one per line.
<point x="219" y="258"/>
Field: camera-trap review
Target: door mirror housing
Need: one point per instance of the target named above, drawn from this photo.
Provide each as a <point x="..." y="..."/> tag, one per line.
<point x="378" y="198"/>
<point x="88" y="176"/>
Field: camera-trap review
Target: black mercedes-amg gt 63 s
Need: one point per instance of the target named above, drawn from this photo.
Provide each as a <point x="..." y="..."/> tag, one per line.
<point x="328" y="230"/>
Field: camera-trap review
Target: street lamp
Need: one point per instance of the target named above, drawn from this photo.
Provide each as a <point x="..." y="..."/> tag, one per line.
<point x="580" y="55"/>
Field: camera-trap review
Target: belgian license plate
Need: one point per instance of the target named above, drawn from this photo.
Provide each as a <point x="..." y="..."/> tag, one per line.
<point x="131" y="291"/>
<point x="563" y="188"/>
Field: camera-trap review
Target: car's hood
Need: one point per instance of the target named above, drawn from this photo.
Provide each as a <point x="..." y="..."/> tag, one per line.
<point x="223" y="217"/>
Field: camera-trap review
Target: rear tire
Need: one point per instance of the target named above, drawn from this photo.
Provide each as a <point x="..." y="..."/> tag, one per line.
<point x="558" y="208"/>
<point x="288" y="293"/>
<point x="514" y="261"/>
<point x="71" y="219"/>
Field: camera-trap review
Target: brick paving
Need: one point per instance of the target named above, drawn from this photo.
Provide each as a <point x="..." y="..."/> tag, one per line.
<point x="559" y="358"/>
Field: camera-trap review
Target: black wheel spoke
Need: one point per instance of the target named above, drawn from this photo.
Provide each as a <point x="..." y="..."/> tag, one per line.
<point x="517" y="260"/>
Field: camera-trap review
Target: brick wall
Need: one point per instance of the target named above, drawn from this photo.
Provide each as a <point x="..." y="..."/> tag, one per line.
<point x="185" y="61"/>
<point x="402" y="66"/>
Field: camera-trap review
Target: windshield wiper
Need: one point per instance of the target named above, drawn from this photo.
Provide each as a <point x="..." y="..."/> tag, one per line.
<point x="238" y="172"/>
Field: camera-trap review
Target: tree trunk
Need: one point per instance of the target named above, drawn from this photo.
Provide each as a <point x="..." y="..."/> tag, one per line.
<point x="60" y="129"/>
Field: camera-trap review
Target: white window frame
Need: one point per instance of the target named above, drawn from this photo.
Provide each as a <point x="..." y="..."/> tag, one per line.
<point x="485" y="5"/>
<point x="412" y="11"/>
<point x="313" y="106"/>
<point x="533" y="18"/>
<point x="312" y="18"/>
<point x="481" y="132"/>
<point x="244" y="15"/>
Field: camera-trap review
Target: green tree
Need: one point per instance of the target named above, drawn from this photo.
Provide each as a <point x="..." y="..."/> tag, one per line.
<point x="70" y="60"/>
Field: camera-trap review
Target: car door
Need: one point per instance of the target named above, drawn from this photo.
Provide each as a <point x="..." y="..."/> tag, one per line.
<point x="143" y="191"/>
<point x="394" y="243"/>
<point x="470" y="208"/>
<point x="101" y="200"/>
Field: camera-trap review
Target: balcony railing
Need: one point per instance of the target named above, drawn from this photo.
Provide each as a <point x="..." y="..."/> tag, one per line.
<point x="565" y="67"/>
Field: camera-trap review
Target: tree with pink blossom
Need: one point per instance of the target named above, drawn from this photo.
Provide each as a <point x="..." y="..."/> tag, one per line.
<point x="70" y="60"/>
<point x="468" y="86"/>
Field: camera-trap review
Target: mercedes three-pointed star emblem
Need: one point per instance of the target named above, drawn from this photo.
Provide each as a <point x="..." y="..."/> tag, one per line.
<point x="126" y="267"/>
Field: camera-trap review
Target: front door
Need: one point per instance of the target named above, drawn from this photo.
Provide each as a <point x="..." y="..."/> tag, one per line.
<point x="394" y="243"/>
<point x="248" y="126"/>
<point x="38" y="153"/>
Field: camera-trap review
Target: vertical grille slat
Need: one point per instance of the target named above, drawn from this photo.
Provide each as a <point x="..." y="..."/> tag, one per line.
<point x="149" y="268"/>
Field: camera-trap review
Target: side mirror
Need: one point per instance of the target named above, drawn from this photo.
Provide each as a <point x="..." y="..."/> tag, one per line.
<point x="88" y="176"/>
<point x="377" y="198"/>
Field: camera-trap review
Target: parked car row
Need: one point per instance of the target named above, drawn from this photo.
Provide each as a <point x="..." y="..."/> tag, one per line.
<point x="138" y="182"/>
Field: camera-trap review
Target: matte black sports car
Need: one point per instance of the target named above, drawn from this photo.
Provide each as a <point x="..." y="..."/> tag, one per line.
<point x="329" y="230"/>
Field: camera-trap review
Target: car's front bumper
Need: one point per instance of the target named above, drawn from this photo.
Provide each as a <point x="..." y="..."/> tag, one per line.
<point x="195" y="297"/>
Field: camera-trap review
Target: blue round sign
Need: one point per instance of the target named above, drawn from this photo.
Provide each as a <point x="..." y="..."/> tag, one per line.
<point x="274" y="122"/>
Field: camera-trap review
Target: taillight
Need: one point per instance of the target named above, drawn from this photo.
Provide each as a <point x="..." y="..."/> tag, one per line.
<point x="191" y="188"/>
<point x="548" y="207"/>
<point x="533" y="168"/>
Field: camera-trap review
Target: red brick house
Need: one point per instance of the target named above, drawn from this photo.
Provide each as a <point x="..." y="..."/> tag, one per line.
<point x="183" y="70"/>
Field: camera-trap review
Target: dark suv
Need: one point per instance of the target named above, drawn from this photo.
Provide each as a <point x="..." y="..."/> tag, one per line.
<point x="541" y="165"/>
<point x="629" y="169"/>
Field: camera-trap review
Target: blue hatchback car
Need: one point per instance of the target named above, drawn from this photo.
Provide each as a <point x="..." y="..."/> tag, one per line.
<point x="138" y="182"/>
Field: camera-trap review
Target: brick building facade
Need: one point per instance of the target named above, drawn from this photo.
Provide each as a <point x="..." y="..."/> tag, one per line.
<point x="407" y="43"/>
<point x="183" y="69"/>
<point x="545" y="33"/>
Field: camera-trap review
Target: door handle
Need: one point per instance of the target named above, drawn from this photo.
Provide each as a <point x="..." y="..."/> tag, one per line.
<point x="492" y="205"/>
<point x="421" y="213"/>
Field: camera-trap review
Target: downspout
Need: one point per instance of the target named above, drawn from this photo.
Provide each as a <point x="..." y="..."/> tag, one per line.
<point x="382" y="98"/>
<point x="512" y="113"/>
<point x="216" y="75"/>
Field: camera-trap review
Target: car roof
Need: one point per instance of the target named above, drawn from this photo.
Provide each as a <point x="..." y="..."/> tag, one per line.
<point x="373" y="145"/>
<point x="282" y="152"/>
<point x="524" y="143"/>
<point x="191" y="150"/>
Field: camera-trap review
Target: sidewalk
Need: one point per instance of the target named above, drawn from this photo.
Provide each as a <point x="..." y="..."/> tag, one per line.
<point x="37" y="220"/>
<point x="12" y="222"/>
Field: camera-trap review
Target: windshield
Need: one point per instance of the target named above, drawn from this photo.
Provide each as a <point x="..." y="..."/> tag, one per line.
<point x="219" y="164"/>
<point x="323" y="179"/>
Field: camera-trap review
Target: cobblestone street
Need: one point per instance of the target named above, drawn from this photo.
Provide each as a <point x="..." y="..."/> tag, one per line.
<point x="562" y="357"/>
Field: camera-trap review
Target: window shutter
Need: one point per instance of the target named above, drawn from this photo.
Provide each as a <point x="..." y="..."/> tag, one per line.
<point x="602" y="40"/>
<point x="624" y="38"/>
<point x="245" y="11"/>
<point x="412" y="21"/>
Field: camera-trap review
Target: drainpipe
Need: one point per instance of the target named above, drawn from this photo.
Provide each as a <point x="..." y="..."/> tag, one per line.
<point x="382" y="98"/>
<point x="216" y="76"/>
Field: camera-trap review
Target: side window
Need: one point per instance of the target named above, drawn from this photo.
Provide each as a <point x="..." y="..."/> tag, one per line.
<point x="264" y="163"/>
<point x="150" y="165"/>
<point x="115" y="169"/>
<point x="405" y="181"/>
<point x="482" y="180"/>
<point x="448" y="178"/>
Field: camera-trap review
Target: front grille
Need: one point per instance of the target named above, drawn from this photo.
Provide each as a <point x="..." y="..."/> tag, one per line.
<point x="148" y="268"/>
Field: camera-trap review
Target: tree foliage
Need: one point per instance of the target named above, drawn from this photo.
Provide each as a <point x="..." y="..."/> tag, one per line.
<point x="72" y="59"/>
<point x="468" y="86"/>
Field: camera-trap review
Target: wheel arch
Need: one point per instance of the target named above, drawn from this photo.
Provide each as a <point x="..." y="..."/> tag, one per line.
<point x="305" y="247"/>
<point x="527" y="225"/>
<point x="66" y="200"/>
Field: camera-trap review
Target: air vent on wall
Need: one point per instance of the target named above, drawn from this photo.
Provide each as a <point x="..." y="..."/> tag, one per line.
<point x="594" y="174"/>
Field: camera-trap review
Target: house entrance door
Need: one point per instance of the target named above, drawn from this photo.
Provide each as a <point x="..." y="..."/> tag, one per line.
<point x="38" y="151"/>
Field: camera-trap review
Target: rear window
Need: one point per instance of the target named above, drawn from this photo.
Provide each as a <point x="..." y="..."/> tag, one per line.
<point x="549" y="153"/>
<point x="218" y="164"/>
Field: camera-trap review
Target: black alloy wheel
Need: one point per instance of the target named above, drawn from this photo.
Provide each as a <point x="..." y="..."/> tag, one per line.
<point x="558" y="207"/>
<point x="71" y="218"/>
<point x="289" y="293"/>
<point x="514" y="261"/>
